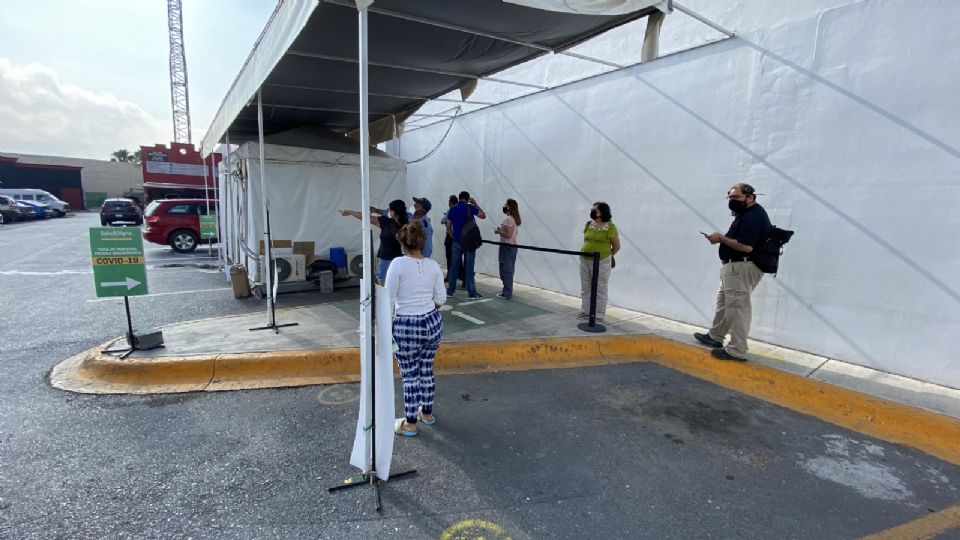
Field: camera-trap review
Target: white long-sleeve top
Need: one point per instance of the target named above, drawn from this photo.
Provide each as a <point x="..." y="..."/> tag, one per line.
<point x="416" y="285"/>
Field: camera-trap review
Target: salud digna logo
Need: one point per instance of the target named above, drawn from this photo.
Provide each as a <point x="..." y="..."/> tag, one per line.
<point x="114" y="233"/>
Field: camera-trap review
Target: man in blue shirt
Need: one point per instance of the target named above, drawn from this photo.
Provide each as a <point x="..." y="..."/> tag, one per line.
<point x="458" y="215"/>
<point x="420" y="209"/>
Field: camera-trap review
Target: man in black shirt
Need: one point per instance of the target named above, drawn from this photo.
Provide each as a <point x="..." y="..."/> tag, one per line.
<point x="738" y="276"/>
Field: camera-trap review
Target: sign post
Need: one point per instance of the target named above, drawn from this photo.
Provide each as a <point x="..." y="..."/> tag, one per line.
<point x="118" y="267"/>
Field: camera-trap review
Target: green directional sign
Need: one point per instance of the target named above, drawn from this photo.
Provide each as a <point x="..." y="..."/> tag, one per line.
<point x="208" y="226"/>
<point x="118" y="263"/>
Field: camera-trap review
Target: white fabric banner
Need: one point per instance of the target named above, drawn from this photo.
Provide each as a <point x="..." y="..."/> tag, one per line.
<point x="360" y="457"/>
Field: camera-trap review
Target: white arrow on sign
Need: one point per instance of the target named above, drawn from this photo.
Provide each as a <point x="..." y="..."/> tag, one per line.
<point x="129" y="283"/>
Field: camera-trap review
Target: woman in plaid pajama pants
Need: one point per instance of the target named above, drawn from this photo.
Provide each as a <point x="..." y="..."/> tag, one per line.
<point x="417" y="291"/>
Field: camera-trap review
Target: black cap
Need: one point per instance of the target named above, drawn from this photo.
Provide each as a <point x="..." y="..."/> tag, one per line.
<point x="424" y="202"/>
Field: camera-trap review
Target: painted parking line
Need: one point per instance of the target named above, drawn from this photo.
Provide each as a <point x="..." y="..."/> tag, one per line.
<point x="47" y="273"/>
<point x="463" y="315"/>
<point x="90" y="271"/>
<point x="163" y="294"/>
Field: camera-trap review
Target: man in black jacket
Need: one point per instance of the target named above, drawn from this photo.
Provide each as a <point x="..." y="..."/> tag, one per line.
<point x="738" y="276"/>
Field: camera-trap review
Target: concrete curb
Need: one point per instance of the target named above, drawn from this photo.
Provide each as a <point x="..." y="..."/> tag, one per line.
<point x="99" y="373"/>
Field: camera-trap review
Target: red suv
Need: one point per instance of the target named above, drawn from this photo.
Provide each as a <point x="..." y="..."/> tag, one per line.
<point x="176" y="222"/>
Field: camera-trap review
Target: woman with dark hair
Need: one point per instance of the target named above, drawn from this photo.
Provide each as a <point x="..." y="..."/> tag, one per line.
<point x="389" y="223"/>
<point x="417" y="290"/>
<point x="508" y="231"/>
<point x="599" y="236"/>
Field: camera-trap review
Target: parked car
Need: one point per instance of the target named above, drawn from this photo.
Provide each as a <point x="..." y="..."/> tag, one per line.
<point x="26" y="211"/>
<point x="120" y="210"/>
<point x="38" y="195"/>
<point x="176" y="222"/>
<point x="8" y="209"/>
<point x="43" y="211"/>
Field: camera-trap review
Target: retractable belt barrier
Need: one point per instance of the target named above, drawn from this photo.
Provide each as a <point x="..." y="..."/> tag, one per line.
<point x="592" y="325"/>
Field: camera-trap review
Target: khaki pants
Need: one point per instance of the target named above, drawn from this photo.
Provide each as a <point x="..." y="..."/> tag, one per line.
<point x="737" y="281"/>
<point x="586" y="276"/>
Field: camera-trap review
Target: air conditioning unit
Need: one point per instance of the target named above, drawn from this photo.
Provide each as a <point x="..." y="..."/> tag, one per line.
<point x="290" y="268"/>
<point x="355" y="264"/>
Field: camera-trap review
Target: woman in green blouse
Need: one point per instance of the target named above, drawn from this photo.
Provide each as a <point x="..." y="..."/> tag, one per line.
<point x="599" y="235"/>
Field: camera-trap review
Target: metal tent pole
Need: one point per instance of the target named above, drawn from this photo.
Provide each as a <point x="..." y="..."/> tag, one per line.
<point x="268" y="245"/>
<point x="206" y="195"/>
<point x="268" y="242"/>
<point x="367" y="353"/>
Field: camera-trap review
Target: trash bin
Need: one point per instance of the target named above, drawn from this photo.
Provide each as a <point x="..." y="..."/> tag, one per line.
<point x="239" y="282"/>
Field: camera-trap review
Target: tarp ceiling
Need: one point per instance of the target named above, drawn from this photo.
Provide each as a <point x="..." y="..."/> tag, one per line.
<point x="306" y="58"/>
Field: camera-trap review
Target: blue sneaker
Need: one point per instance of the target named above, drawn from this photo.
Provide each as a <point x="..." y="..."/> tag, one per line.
<point x="474" y="296"/>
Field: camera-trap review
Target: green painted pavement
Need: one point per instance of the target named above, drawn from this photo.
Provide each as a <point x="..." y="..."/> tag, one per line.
<point x="460" y="314"/>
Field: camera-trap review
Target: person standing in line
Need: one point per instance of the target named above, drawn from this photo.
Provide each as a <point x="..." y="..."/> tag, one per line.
<point x="416" y="288"/>
<point x="389" y="223"/>
<point x="508" y="231"/>
<point x="459" y="214"/>
<point x="421" y="207"/>
<point x="448" y="244"/>
<point x="739" y="276"/>
<point x="599" y="235"/>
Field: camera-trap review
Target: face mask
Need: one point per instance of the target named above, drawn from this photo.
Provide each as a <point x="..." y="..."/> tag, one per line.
<point x="736" y="206"/>
<point x="594" y="214"/>
<point x="505" y="211"/>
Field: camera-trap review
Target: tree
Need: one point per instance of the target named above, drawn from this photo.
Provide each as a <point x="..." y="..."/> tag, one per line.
<point x="124" y="156"/>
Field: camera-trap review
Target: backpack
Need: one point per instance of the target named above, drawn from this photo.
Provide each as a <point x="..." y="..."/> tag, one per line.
<point x="470" y="238"/>
<point x="768" y="251"/>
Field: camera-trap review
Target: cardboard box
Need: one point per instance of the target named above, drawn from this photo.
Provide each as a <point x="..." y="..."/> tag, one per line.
<point x="277" y="244"/>
<point x="306" y="249"/>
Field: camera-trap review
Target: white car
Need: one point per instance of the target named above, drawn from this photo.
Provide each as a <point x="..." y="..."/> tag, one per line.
<point x="40" y="196"/>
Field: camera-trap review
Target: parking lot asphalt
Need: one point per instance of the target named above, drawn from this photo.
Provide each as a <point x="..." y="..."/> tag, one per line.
<point x="635" y="450"/>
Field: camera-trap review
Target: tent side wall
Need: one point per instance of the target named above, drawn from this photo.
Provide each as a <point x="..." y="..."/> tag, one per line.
<point x="842" y="114"/>
<point x="306" y="188"/>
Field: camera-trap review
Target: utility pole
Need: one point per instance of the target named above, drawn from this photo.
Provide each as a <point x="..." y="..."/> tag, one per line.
<point x="179" y="96"/>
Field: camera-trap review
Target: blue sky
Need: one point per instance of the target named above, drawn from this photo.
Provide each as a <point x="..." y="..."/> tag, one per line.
<point x="81" y="78"/>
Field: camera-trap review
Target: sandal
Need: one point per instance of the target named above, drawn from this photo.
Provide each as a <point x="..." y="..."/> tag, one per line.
<point x="429" y="422"/>
<point x="398" y="428"/>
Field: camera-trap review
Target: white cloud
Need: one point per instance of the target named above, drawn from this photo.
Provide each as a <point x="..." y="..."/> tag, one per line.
<point x="41" y="115"/>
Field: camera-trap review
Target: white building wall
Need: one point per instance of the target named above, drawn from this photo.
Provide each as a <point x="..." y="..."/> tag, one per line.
<point x="112" y="177"/>
<point x="843" y="114"/>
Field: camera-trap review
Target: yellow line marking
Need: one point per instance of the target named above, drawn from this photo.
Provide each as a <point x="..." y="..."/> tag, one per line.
<point x="923" y="528"/>
<point x="935" y="434"/>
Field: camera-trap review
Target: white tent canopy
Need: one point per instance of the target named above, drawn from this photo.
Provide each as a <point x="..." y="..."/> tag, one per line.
<point x="305" y="61"/>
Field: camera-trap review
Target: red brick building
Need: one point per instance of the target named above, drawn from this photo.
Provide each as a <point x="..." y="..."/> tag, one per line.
<point x="177" y="171"/>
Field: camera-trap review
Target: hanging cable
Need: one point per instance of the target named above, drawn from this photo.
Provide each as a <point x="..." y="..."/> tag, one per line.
<point x="437" y="147"/>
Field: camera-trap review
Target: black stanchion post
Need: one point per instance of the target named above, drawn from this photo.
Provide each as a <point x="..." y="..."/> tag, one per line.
<point x="592" y="325"/>
<point x="594" y="281"/>
<point x="126" y="304"/>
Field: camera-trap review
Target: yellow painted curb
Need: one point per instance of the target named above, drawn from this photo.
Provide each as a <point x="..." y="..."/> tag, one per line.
<point x="923" y="528"/>
<point x="938" y="435"/>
